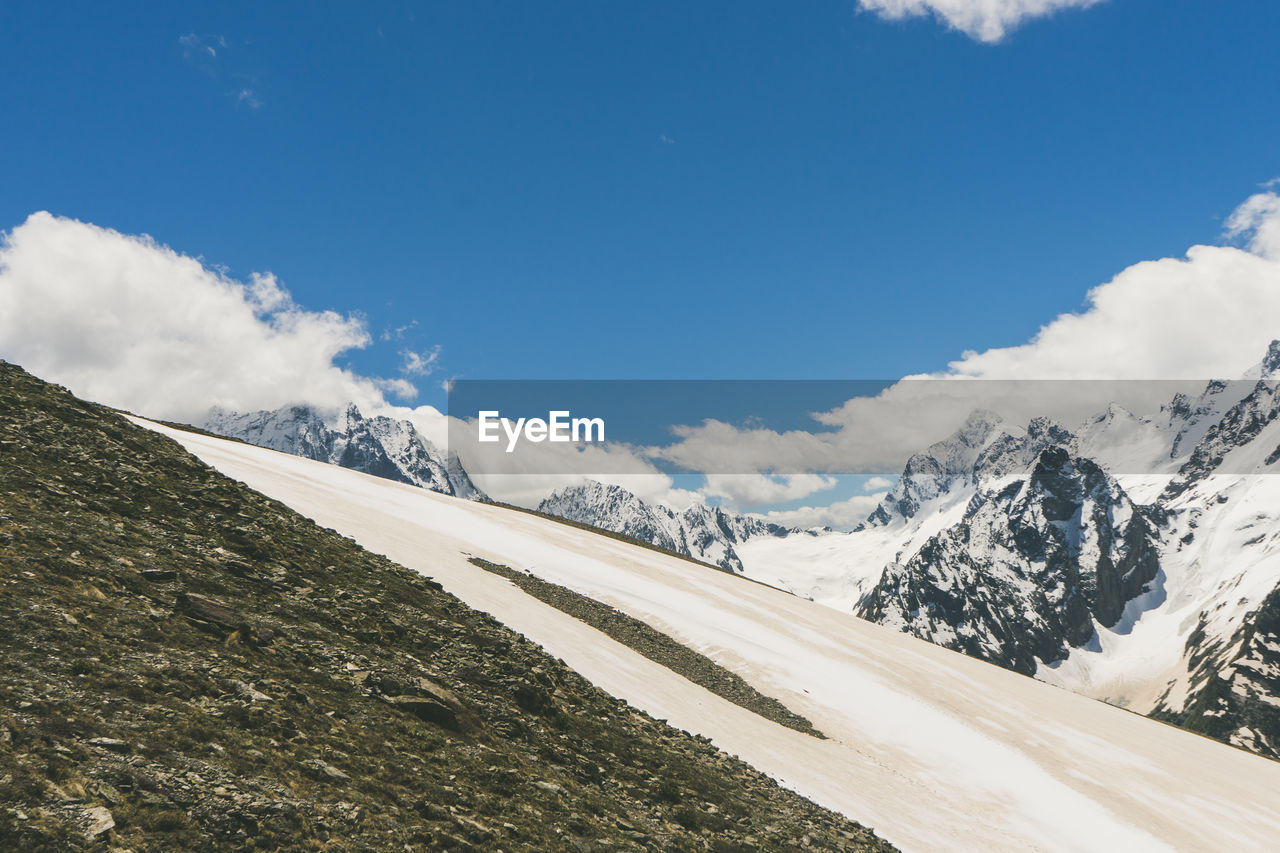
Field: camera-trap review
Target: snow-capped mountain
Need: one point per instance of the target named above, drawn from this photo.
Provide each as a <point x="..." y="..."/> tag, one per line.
<point x="994" y="761"/>
<point x="981" y="450"/>
<point x="377" y="445"/>
<point x="1027" y="571"/>
<point x="705" y="533"/>
<point x="1131" y="559"/>
<point x="1134" y="560"/>
<point x="1222" y="555"/>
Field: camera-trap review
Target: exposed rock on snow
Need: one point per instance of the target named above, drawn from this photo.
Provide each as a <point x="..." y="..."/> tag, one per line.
<point x="1027" y="571"/>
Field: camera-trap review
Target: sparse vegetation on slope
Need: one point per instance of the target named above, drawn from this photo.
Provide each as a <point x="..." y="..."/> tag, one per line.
<point x="190" y="665"/>
<point x="656" y="646"/>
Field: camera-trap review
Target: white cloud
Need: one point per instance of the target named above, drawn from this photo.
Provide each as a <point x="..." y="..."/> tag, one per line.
<point x="748" y="490"/>
<point x="1258" y="222"/>
<point x="128" y="322"/>
<point x="197" y="47"/>
<point x="877" y="484"/>
<point x="131" y="323"/>
<point x="397" y="334"/>
<point x="985" y="20"/>
<point x="1211" y="313"/>
<point x="840" y="515"/>
<point x="420" y="363"/>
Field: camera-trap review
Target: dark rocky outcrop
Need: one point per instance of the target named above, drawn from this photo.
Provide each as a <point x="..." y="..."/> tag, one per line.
<point x="1235" y="684"/>
<point x="1028" y="570"/>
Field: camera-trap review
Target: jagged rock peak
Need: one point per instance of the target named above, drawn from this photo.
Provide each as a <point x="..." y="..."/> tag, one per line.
<point x="1271" y="361"/>
<point x="1269" y="367"/>
<point x="379" y="445"/>
<point x="703" y="532"/>
<point x="1029" y="571"/>
<point x="981" y="449"/>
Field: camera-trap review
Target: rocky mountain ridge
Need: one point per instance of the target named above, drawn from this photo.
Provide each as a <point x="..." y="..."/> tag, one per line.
<point x="378" y="445"/>
<point x="1053" y="569"/>
<point x="1030" y="567"/>
<point x="1036" y="548"/>
<point x="703" y="532"/>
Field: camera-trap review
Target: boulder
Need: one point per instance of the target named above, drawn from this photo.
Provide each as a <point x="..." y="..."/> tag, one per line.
<point x="100" y="821"/>
<point x="436" y="704"/>
<point x="213" y="615"/>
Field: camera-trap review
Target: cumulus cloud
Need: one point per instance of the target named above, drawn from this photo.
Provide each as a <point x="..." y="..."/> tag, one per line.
<point x="877" y="484"/>
<point x="749" y="490"/>
<point x="985" y="20"/>
<point x="129" y="322"/>
<point x="1257" y="221"/>
<point x="420" y="363"/>
<point x="840" y="515"/>
<point x="126" y="321"/>
<point x="1209" y="314"/>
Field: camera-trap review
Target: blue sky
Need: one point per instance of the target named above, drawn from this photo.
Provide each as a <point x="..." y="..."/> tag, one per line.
<point x="658" y="190"/>
<point x="747" y="190"/>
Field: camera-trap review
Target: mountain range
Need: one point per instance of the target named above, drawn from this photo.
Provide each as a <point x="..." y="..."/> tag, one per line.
<point x="212" y="645"/>
<point x="935" y="749"/>
<point x="1129" y="559"/>
<point x="379" y="445"/>
<point x="703" y="532"/>
<point x="1153" y="587"/>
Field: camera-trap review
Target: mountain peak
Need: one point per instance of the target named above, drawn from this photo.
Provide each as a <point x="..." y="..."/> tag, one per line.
<point x="1269" y="367"/>
<point x="1271" y="361"/>
<point x="703" y="532"/>
<point x="381" y="446"/>
<point x="978" y="426"/>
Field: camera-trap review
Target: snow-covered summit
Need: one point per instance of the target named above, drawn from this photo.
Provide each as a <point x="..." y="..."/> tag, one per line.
<point x="379" y="445"/>
<point x="703" y="532"/>
<point x="942" y="467"/>
<point x="1135" y="560"/>
<point x="1023" y="576"/>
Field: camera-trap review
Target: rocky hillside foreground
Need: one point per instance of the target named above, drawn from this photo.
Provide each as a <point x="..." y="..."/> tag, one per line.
<point x="189" y="665"/>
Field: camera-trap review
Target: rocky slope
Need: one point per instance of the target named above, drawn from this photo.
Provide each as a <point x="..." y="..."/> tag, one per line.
<point x="381" y="446"/>
<point x="189" y="665"/>
<point x="705" y="533"/>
